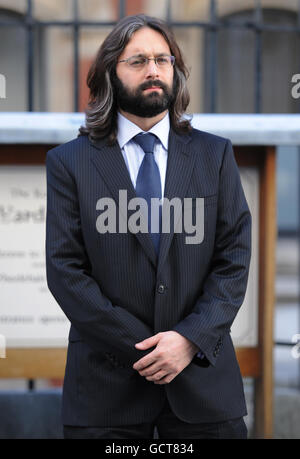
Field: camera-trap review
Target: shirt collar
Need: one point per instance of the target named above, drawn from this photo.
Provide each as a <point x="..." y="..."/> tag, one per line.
<point x="127" y="130"/>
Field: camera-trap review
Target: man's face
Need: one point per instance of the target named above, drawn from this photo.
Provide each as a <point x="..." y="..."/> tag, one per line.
<point x="148" y="91"/>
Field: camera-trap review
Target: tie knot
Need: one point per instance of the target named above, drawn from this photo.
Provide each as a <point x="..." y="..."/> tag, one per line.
<point x="146" y="141"/>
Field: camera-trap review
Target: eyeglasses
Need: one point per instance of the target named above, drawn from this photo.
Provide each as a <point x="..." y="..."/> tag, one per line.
<point x="139" y="62"/>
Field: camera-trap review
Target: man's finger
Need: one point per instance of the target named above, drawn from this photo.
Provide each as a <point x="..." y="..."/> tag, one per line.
<point x="145" y="362"/>
<point x="150" y="370"/>
<point x="149" y="342"/>
<point x="165" y="380"/>
<point x="157" y="376"/>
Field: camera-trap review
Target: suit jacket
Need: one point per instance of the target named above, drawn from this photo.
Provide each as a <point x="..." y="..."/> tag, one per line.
<point x="116" y="292"/>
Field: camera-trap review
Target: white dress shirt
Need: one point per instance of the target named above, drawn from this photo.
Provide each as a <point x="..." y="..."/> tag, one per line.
<point x="133" y="154"/>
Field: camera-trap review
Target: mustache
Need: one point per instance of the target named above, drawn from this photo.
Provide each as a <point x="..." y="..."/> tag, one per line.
<point x="150" y="84"/>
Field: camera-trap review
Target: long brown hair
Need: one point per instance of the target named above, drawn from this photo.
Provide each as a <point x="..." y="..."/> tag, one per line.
<point x="101" y="112"/>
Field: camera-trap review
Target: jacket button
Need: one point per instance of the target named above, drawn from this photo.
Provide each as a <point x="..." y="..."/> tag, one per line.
<point x="161" y="288"/>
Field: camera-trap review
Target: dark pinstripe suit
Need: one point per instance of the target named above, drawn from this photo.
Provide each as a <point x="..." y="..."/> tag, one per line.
<point x="116" y="294"/>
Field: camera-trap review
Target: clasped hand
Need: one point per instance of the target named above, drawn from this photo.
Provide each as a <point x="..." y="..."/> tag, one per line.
<point x="173" y="352"/>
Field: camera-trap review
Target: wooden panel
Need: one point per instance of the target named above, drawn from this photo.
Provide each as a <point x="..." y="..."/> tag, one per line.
<point x="267" y="266"/>
<point x="265" y="159"/>
<point x="50" y="363"/>
<point x="23" y="154"/>
<point x="33" y="363"/>
<point x="247" y="156"/>
<point x="249" y="361"/>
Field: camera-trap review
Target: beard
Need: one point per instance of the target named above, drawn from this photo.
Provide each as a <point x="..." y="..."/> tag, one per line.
<point x="140" y="104"/>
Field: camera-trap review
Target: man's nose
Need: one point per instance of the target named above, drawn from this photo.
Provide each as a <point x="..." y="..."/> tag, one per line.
<point x="151" y="69"/>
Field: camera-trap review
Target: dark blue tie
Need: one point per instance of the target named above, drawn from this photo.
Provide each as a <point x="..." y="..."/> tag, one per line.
<point x="148" y="180"/>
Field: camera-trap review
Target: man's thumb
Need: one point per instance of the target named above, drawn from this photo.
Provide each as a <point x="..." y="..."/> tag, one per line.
<point x="149" y="342"/>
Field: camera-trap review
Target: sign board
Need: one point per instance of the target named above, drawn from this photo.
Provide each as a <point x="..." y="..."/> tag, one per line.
<point x="244" y="330"/>
<point x="29" y="315"/>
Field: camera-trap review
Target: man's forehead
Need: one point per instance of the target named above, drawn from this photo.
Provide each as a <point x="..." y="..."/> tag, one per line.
<point x="140" y="42"/>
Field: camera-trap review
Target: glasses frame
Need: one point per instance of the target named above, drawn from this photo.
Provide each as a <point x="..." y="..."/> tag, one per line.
<point x="147" y="59"/>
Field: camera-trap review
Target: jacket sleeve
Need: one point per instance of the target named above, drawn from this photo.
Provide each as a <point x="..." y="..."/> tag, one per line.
<point x="109" y="329"/>
<point x="225" y="286"/>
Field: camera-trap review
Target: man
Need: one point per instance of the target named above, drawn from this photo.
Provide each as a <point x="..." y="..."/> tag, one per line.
<point x="150" y="310"/>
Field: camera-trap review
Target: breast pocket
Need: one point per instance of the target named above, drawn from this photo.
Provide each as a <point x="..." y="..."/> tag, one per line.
<point x="198" y="213"/>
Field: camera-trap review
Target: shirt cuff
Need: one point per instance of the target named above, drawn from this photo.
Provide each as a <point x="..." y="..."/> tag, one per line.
<point x="200" y="355"/>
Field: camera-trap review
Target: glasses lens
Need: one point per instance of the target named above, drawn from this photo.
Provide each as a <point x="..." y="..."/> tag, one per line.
<point x="163" y="60"/>
<point x="137" y="62"/>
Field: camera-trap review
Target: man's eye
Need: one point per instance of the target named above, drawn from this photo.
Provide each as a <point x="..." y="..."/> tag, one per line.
<point x="162" y="60"/>
<point x="137" y="61"/>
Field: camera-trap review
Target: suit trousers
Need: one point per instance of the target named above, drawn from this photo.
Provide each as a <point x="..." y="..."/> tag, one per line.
<point x="168" y="426"/>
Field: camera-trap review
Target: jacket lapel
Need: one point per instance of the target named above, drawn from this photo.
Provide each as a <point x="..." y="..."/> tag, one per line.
<point x="179" y="171"/>
<point x="111" y="166"/>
